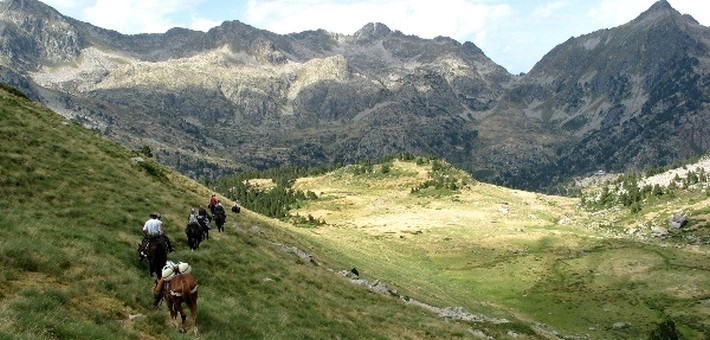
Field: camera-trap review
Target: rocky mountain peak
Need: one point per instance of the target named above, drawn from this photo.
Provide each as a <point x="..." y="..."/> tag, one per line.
<point x="37" y="34"/>
<point x="27" y="6"/>
<point x="657" y="12"/>
<point x="22" y="12"/>
<point x="372" y="31"/>
<point x="661" y="5"/>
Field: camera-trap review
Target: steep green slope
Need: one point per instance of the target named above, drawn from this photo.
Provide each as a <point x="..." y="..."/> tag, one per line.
<point x="71" y="208"/>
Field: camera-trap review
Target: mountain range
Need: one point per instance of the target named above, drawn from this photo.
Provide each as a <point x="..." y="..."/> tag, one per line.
<point x="238" y="97"/>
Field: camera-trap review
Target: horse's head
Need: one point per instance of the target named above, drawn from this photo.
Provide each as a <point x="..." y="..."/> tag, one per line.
<point x="141" y="253"/>
<point x="158" y="293"/>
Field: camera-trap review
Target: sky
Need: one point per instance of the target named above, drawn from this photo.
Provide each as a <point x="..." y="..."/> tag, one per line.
<point x="513" y="33"/>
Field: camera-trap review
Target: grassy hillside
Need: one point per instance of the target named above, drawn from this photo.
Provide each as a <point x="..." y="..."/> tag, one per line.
<point x="518" y="255"/>
<point x="71" y="210"/>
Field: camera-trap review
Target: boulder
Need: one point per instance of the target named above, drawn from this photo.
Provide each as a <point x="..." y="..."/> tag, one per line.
<point x="659" y="232"/>
<point x="677" y="221"/>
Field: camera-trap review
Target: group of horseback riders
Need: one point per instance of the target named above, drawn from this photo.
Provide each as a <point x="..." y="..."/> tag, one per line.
<point x="201" y="218"/>
<point x="153" y="227"/>
<point x="156" y="246"/>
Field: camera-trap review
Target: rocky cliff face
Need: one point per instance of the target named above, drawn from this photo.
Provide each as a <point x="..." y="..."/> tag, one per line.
<point x="632" y="97"/>
<point x="240" y="97"/>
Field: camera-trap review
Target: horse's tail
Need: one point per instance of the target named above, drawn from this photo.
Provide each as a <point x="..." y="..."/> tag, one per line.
<point x="159" y="257"/>
<point x="190" y="295"/>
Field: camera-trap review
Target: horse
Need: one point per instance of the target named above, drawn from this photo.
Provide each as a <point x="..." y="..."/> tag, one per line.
<point x="157" y="255"/>
<point x="219" y="220"/>
<point x="194" y="235"/>
<point x="204" y="223"/>
<point x="180" y="289"/>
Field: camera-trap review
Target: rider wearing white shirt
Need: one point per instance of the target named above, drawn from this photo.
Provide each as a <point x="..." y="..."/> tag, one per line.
<point x="154" y="228"/>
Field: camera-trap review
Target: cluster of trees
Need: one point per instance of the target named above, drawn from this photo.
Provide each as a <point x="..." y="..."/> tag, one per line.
<point x="625" y="190"/>
<point x="366" y="166"/>
<point x="277" y="199"/>
<point x="274" y="201"/>
<point x="444" y="179"/>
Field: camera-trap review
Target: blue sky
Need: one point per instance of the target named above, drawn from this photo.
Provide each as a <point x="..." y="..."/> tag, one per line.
<point x="513" y="33"/>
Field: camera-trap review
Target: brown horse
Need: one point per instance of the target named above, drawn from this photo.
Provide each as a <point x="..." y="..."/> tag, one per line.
<point x="180" y="289"/>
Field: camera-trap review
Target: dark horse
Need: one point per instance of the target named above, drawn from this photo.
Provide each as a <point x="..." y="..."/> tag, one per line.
<point x="180" y="289"/>
<point x="157" y="254"/>
<point x="194" y="235"/>
<point x="219" y="220"/>
<point x="204" y="223"/>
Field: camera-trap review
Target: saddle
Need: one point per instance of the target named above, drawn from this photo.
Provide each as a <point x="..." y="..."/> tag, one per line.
<point x="147" y="239"/>
<point x="171" y="269"/>
<point x="204" y="222"/>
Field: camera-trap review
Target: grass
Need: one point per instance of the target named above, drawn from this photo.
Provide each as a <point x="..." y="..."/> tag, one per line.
<point x="523" y="256"/>
<point x="71" y="210"/>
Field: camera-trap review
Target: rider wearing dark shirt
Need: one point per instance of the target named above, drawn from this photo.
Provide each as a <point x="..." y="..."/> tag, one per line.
<point x="219" y="209"/>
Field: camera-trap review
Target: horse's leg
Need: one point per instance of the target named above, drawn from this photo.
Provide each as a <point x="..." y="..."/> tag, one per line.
<point x="151" y="265"/>
<point x="193" y="311"/>
<point x="179" y="309"/>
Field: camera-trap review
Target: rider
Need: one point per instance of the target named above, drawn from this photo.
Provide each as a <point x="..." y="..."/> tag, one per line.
<point x="153" y="228"/>
<point x="193" y="216"/>
<point x="203" y="218"/>
<point x="219" y="209"/>
<point x="213" y="203"/>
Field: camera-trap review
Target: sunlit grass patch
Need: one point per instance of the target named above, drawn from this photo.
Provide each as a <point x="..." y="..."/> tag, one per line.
<point x="534" y="256"/>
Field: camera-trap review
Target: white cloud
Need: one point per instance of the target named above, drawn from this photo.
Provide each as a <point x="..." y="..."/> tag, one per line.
<point x="611" y="13"/>
<point x="129" y="17"/>
<point x="71" y="8"/>
<point x="700" y="10"/>
<point x="204" y="25"/>
<point x="139" y="16"/>
<point x="549" y="9"/>
<point x="458" y="19"/>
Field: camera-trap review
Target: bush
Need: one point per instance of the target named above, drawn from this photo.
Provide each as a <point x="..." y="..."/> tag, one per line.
<point x="665" y="331"/>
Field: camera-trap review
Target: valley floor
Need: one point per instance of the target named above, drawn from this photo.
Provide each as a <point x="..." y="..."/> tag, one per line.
<point x="513" y="254"/>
